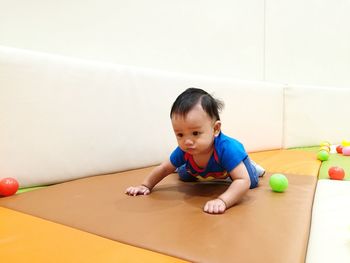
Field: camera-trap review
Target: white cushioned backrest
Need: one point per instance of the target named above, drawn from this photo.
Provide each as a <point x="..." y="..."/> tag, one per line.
<point x="64" y="118"/>
<point x="253" y="112"/>
<point x="315" y="114"/>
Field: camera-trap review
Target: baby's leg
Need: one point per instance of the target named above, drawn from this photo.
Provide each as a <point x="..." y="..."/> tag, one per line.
<point x="255" y="171"/>
<point x="259" y="170"/>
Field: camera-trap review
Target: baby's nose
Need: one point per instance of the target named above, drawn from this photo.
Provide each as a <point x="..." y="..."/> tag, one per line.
<point x="188" y="142"/>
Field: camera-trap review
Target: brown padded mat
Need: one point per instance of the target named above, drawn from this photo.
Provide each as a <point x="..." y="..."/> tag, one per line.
<point x="265" y="227"/>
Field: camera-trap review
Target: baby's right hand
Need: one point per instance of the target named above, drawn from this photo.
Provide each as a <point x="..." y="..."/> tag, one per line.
<point x="137" y="190"/>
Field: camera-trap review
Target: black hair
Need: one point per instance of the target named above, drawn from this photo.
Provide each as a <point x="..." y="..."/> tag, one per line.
<point x="190" y="97"/>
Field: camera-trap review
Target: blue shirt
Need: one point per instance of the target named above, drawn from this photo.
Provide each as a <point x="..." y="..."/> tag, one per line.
<point x="227" y="154"/>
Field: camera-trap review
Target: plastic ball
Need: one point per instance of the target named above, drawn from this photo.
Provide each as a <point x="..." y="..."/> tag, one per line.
<point x="339" y="149"/>
<point x="322" y="155"/>
<point x="346" y="150"/>
<point x="326" y="148"/>
<point x="278" y="182"/>
<point x="8" y="186"/>
<point x="345" y="143"/>
<point x="336" y="173"/>
<point x="325" y="143"/>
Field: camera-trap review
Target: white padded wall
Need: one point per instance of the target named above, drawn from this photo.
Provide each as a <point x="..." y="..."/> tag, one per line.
<point x="315" y="114"/>
<point x="220" y="38"/>
<point x="63" y="118"/>
<point x="253" y="112"/>
<point x="307" y="42"/>
<point x="288" y="41"/>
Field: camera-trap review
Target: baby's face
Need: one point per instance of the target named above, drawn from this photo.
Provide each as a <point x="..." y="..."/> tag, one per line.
<point x="196" y="131"/>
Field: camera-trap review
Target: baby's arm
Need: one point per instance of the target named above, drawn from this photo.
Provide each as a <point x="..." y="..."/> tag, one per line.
<point x="237" y="189"/>
<point x="157" y="174"/>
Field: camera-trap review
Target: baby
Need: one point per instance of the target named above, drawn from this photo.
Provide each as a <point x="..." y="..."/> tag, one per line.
<point x="204" y="152"/>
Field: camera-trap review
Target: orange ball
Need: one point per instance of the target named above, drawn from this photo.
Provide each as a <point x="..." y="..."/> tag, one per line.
<point x="336" y="173"/>
<point x="8" y="186"/>
<point x="339" y="149"/>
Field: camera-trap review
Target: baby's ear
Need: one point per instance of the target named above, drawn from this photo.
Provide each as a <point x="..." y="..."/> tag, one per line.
<point x="217" y="128"/>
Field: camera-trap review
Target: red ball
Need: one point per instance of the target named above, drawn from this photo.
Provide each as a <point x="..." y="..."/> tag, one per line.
<point x="339" y="149"/>
<point x="336" y="173"/>
<point x="8" y="186"/>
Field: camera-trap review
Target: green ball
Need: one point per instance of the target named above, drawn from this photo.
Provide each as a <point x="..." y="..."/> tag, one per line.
<point x="278" y="182"/>
<point x="322" y="155"/>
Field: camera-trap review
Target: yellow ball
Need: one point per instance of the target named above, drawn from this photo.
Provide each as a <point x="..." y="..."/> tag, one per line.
<point x="325" y="143"/>
<point x="345" y="143"/>
<point x="326" y="148"/>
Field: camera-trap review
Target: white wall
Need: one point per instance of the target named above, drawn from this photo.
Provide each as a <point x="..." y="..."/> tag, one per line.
<point x="293" y="41"/>
<point x="221" y="37"/>
<point x="308" y="42"/>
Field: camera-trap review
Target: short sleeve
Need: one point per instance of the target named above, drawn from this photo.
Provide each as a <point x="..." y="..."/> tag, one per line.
<point x="177" y="157"/>
<point x="231" y="153"/>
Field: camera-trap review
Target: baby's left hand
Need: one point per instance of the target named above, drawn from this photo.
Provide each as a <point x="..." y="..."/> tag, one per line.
<point x="216" y="206"/>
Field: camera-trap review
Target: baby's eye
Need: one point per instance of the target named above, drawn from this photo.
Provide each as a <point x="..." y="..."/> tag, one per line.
<point x="195" y="133"/>
<point x="179" y="135"/>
